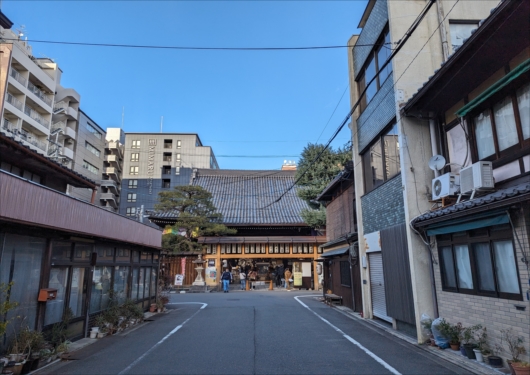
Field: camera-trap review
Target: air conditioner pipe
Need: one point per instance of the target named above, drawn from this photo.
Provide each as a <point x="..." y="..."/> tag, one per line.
<point x="434" y="141"/>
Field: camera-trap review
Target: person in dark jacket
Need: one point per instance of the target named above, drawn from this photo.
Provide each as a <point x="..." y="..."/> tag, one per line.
<point x="226" y="278"/>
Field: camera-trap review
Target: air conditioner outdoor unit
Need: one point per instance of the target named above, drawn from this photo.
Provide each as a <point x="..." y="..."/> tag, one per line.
<point x="445" y="185"/>
<point x="477" y="177"/>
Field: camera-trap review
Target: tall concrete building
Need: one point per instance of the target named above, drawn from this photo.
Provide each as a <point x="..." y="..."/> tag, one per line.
<point x="154" y="162"/>
<point x="112" y="171"/>
<point x="392" y="185"/>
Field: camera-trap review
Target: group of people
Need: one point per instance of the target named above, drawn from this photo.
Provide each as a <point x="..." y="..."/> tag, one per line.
<point x="281" y="276"/>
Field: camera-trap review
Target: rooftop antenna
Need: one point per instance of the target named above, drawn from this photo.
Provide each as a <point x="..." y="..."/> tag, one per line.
<point x="161" y="123"/>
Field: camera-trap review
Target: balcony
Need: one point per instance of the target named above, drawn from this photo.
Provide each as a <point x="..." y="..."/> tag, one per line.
<point x="64" y="131"/>
<point x="111" y="186"/>
<point x="18" y="77"/>
<point x="114" y="160"/>
<point x="39" y="94"/>
<point x="67" y="152"/>
<point x="9" y="126"/>
<point x="36" y="116"/>
<point x="113" y="173"/>
<point x="14" y="102"/>
<point x="115" y="148"/>
<point x="64" y="107"/>
<point x="109" y="198"/>
<point x="32" y="139"/>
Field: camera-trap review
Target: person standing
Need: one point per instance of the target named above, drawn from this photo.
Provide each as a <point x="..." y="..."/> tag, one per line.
<point x="243" y="278"/>
<point x="226" y="278"/>
<point x="287" y="275"/>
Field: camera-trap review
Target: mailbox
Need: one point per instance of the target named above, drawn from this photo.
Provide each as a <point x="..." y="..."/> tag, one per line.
<point x="47" y="294"/>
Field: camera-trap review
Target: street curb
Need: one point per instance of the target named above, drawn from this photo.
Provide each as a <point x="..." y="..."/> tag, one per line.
<point x="473" y="367"/>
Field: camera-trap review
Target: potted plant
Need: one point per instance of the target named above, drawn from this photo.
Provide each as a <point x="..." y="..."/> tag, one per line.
<point x="521" y="368"/>
<point x="515" y="346"/>
<point x="468" y="338"/>
<point x="481" y="338"/>
<point x="452" y="332"/>
<point x="494" y="360"/>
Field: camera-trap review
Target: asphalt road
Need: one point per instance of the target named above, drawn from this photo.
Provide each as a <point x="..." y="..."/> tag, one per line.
<point x="252" y="333"/>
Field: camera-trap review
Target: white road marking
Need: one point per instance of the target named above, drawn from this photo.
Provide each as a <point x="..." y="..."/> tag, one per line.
<point x="356" y="343"/>
<point x="166" y="336"/>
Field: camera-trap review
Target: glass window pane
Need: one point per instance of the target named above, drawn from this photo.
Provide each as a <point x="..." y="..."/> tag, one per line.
<point x="101" y="279"/>
<point x="153" y="282"/>
<point x="505" y="124"/>
<point x="368" y="75"/>
<point x="121" y="275"/>
<point x="382" y="55"/>
<point x="61" y="250"/>
<point x="484" y="267"/>
<point x="141" y="283"/>
<point x="55" y="308"/>
<point x="82" y="252"/>
<point x="134" y="291"/>
<point x="105" y="253"/>
<point x="147" y="281"/>
<point x="505" y="266"/>
<point x="523" y="101"/>
<point x="136" y="256"/>
<point x="391" y="144"/>
<point x="376" y="164"/>
<point x="463" y="267"/>
<point x="77" y="296"/>
<point x="484" y="135"/>
<point x="448" y="267"/>
<point x="123" y="255"/>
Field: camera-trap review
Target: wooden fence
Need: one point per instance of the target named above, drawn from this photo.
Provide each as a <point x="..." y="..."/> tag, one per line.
<point x="172" y="265"/>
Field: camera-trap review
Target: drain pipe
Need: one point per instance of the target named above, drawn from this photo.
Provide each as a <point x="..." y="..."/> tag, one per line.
<point x="434" y="140"/>
<point x="355" y="251"/>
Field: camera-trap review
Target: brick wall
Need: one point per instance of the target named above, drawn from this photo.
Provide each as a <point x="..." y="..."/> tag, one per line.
<point x="493" y="313"/>
<point x="383" y="207"/>
<point x="339" y="215"/>
<point x="371" y="31"/>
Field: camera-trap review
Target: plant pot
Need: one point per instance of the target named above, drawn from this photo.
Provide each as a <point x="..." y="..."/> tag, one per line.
<point x="478" y="355"/>
<point x="94" y="329"/>
<point x="463" y="351"/>
<point x="519" y="370"/>
<point x="510" y="366"/>
<point x="433" y="342"/>
<point x="35" y="364"/>
<point x="455" y="347"/>
<point x="16" y="369"/>
<point x="101" y="335"/>
<point x="26" y="368"/>
<point x="469" y="351"/>
<point x="93" y="334"/>
<point x="495" y="361"/>
<point x="152" y="308"/>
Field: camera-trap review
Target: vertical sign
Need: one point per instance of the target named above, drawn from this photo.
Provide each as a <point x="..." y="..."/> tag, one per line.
<point x="151" y="164"/>
<point x="183" y="266"/>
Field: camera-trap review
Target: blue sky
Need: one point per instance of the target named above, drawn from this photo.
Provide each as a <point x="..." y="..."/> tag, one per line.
<point x="242" y="103"/>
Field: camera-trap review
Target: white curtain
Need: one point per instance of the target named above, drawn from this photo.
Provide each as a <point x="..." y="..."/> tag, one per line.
<point x="505" y="265"/>
<point x="486" y="279"/>
<point x="505" y="124"/>
<point x="449" y="267"/>
<point x="484" y="135"/>
<point x="465" y="280"/>
<point x="523" y="101"/>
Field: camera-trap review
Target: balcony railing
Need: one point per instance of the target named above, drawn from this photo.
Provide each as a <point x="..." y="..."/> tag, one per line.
<point x="60" y="105"/>
<point x="60" y="125"/>
<point x="9" y="126"/>
<point x="14" y="102"/>
<point x="17" y="76"/>
<point x="36" y="116"/>
<point x="32" y="139"/>
<point x="39" y="94"/>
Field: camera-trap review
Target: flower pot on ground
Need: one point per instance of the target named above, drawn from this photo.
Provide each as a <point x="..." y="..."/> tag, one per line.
<point x="455" y="347"/>
<point x="93" y="334"/>
<point x="515" y="344"/>
<point x="478" y="355"/>
<point x="152" y="308"/>
<point x="463" y="351"/>
<point x="469" y="351"/>
<point x="495" y="361"/>
<point x="521" y="368"/>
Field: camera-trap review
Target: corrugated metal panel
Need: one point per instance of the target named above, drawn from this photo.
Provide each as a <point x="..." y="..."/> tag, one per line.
<point x="396" y="270"/>
<point x="377" y="282"/>
<point x="30" y="203"/>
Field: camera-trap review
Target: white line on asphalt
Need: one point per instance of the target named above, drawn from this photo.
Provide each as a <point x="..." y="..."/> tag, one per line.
<point x="165" y="337"/>
<point x="356" y="343"/>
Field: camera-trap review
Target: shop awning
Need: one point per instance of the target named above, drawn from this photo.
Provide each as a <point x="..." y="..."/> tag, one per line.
<point x="335" y="252"/>
<point x="485" y="219"/>
<point x="497" y="86"/>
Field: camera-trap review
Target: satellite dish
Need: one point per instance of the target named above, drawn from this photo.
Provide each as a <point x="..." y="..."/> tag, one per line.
<point x="437" y="162"/>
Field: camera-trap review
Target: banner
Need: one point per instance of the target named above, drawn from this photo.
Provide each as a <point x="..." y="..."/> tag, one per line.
<point x="183" y="267"/>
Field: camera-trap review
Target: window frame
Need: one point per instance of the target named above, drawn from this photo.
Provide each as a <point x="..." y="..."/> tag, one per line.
<point x="488" y="236"/>
<point x="135" y="156"/>
<point x="136" y="143"/>
<point x="131" y="197"/>
<point x="132" y="184"/>
<point x="89" y="167"/>
<point x="166" y="183"/>
<point x="130" y="211"/>
<point x="92" y="130"/>
<point x="134" y="170"/>
<point x="92" y="149"/>
<point x="343" y="264"/>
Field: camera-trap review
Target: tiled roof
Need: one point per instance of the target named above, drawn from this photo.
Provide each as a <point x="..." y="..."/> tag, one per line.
<point x="515" y="191"/>
<point x="241" y="196"/>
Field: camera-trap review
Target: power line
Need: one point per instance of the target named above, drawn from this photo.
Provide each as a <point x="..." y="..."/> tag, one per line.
<point x="190" y="47"/>
<point x="400" y="43"/>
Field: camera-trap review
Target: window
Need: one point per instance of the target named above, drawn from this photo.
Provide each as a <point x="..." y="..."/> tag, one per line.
<point x="381" y="160"/>
<point x="166" y="170"/>
<point x="133" y="184"/>
<point x="480" y="262"/>
<point x="177" y="170"/>
<point x="179" y="143"/>
<point x="135" y="144"/>
<point x="90" y="167"/>
<point x="178" y="157"/>
<point x="131" y="197"/>
<point x="135" y="156"/>
<point x="345" y="278"/>
<point x="166" y="184"/>
<point x="131" y="211"/>
<point x="133" y="170"/>
<point x="168" y="143"/>
<point x="93" y="130"/>
<point x="167" y="156"/>
<point x="503" y="127"/>
<point x="460" y="31"/>
<point x="374" y="62"/>
<point x="92" y="149"/>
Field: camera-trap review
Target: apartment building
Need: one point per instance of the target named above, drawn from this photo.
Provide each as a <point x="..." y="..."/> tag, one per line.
<point x="155" y="162"/>
<point x="391" y="185"/>
<point x="112" y="171"/>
